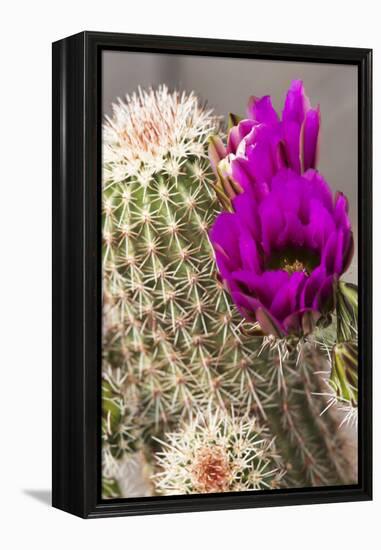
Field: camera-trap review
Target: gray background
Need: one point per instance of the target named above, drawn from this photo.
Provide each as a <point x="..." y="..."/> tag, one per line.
<point x="226" y="83"/>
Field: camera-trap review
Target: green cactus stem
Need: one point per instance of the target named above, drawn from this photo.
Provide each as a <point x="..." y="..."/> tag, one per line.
<point x="309" y="442"/>
<point x="169" y="325"/>
<point x="344" y="376"/>
<point x="347" y="311"/>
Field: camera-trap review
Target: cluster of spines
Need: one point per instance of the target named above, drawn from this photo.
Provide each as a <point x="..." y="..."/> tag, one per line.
<point x="216" y="452"/>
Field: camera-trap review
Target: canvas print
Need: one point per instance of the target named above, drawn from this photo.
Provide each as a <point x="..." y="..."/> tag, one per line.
<point x="229" y="248"/>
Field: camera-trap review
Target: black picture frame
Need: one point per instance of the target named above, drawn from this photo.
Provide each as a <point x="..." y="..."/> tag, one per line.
<point x="77" y="272"/>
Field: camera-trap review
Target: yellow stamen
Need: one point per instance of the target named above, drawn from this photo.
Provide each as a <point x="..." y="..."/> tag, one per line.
<point x="293" y="267"/>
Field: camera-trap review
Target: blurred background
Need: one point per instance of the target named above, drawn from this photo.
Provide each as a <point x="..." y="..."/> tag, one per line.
<point x="225" y="84"/>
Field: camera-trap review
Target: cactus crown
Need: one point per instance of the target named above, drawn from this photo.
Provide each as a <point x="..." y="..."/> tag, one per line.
<point x="216" y="452"/>
<point x="152" y="131"/>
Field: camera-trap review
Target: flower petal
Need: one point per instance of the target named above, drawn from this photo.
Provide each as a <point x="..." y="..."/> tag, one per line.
<point x="240" y="173"/>
<point x="285" y="299"/>
<point x="310" y="135"/>
<point x="224" y="235"/>
<point x="216" y="151"/>
<point x="293" y="232"/>
<point x="250" y="258"/>
<point x="260" y="161"/>
<point x="296" y="104"/>
<point x="291" y="139"/>
<point x="339" y="256"/>
<point x="328" y="258"/>
<point x="319" y="189"/>
<point x="341" y="211"/>
<point x="349" y="252"/>
<point x="320" y="227"/>
<point x="246" y="304"/>
<point x="268" y="323"/>
<point x="309" y="320"/>
<point x="302" y="321"/>
<point x="325" y="297"/>
<point x="245" y="206"/>
<point x="312" y="286"/>
<point x="246" y="128"/>
<point x="262" y="110"/>
<point x="272" y="221"/>
<point x="233" y="140"/>
<point x="264" y="287"/>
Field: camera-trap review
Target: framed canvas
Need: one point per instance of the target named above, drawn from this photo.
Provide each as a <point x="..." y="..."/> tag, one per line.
<point x="212" y="290"/>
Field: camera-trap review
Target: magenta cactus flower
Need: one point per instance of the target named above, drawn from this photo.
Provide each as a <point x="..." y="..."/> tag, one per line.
<point x="262" y="144"/>
<point x="281" y="253"/>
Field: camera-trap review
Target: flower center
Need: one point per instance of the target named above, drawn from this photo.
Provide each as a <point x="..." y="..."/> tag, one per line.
<point x="292" y="260"/>
<point x="295" y="266"/>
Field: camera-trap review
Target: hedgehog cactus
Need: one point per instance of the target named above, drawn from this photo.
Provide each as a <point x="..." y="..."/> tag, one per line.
<point x="169" y="325"/>
<point x="216" y="452"/>
<point x="173" y="342"/>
